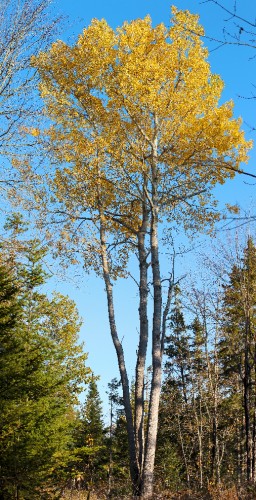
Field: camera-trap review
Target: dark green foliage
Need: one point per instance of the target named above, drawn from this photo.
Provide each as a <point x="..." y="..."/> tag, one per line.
<point x="177" y="348"/>
<point x="170" y="470"/>
<point x="42" y="369"/>
<point x="238" y="359"/>
<point x="92" y="418"/>
<point x="117" y="444"/>
<point x="89" y="440"/>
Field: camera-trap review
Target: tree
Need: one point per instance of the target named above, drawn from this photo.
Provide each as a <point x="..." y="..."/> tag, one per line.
<point x="25" y="28"/>
<point x="186" y="389"/>
<point x="89" y="439"/>
<point x="222" y="369"/>
<point x="140" y="141"/>
<point x="238" y="29"/>
<point x="42" y="370"/>
<point x="117" y="443"/>
<point x="92" y="413"/>
<point x="173" y="451"/>
<point x="238" y="345"/>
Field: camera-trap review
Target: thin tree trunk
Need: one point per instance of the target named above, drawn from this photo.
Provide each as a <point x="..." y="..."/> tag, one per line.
<point x="148" y="470"/>
<point x="239" y="451"/>
<point x="199" y="426"/>
<point x="215" y="422"/>
<point x="247" y="377"/>
<point x="184" y="453"/>
<point x="254" y="424"/>
<point x="143" y="342"/>
<point x="120" y="356"/>
<point x="110" y="450"/>
<point x="200" y="440"/>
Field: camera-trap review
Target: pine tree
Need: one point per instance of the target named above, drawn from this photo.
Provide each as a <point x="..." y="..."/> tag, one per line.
<point x="238" y="348"/>
<point x="92" y="414"/>
<point x="90" y="445"/>
<point x="11" y="370"/>
<point x="177" y="347"/>
<point x="118" y="467"/>
<point x="42" y="372"/>
<point x="185" y="411"/>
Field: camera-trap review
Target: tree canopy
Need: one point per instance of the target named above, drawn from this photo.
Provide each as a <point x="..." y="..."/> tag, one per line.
<point x="120" y="100"/>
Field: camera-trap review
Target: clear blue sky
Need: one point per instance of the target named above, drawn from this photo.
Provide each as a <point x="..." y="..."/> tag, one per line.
<point x="237" y="68"/>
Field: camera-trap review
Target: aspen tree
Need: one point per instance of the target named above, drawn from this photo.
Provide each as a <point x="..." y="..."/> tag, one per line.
<point x="140" y="141"/>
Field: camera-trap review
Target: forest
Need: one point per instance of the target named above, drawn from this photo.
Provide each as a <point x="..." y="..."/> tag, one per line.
<point x="113" y="149"/>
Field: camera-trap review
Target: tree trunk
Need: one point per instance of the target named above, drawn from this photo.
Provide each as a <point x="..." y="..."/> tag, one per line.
<point x="143" y="342"/>
<point x="254" y="424"/>
<point x="120" y="356"/>
<point x="247" y="380"/>
<point x="148" y="472"/>
<point x="157" y="344"/>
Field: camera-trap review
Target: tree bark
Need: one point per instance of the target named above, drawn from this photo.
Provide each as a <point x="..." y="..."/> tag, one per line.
<point x="148" y="470"/>
<point x="247" y="377"/>
<point x="134" y="471"/>
<point x="143" y="342"/>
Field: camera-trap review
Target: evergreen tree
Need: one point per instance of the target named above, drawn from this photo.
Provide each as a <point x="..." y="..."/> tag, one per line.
<point x="176" y="433"/>
<point x="186" y="409"/>
<point x="172" y="468"/>
<point x="90" y="440"/>
<point x="118" y="467"/>
<point x="207" y="432"/>
<point x="238" y="352"/>
<point x="11" y="369"/>
<point x="177" y="348"/>
<point x="42" y="372"/>
<point x="92" y="414"/>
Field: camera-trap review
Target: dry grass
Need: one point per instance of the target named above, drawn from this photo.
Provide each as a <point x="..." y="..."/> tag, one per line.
<point x="213" y="493"/>
<point x="80" y="495"/>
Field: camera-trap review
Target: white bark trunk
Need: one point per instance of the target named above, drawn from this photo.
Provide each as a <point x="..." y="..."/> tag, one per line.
<point x="120" y="356"/>
<point x="143" y="342"/>
<point x="149" y="462"/>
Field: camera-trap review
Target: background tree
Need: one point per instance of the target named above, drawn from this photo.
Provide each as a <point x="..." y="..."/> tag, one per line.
<point x="42" y="372"/>
<point x="185" y="390"/>
<point x="26" y="27"/>
<point x="117" y="443"/>
<point x="11" y="351"/>
<point x="207" y="417"/>
<point x="238" y="346"/>
<point x="90" y="442"/>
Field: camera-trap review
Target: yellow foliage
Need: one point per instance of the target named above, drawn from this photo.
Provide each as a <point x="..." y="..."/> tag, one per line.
<point x="136" y="117"/>
<point x="35" y="132"/>
<point x="234" y="209"/>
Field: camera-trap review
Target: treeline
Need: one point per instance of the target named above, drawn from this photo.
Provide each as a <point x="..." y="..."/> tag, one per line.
<point x="208" y="406"/>
<point x="207" y="422"/>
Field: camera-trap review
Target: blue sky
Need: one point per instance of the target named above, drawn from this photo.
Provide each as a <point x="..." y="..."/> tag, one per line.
<point x="236" y="66"/>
